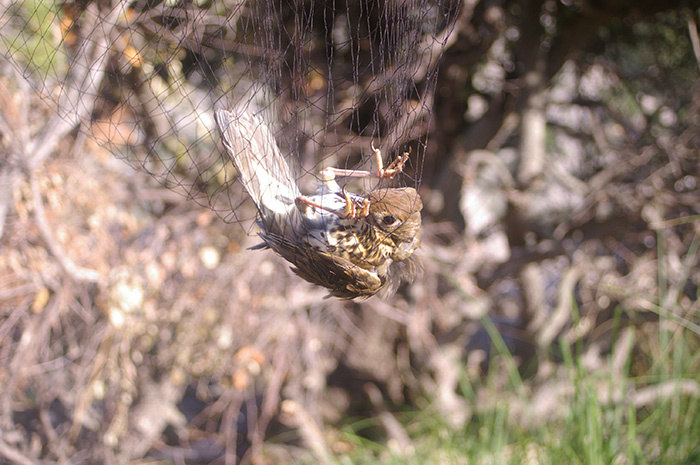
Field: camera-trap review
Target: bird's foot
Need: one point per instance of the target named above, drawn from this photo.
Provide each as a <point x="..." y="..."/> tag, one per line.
<point x="355" y="208"/>
<point x="395" y="167"/>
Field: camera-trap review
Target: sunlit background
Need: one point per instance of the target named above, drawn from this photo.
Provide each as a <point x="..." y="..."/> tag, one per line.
<point x="555" y="148"/>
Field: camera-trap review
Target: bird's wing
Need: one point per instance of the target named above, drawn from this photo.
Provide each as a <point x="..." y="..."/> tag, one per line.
<point x="343" y="278"/>
<point x="261" y="167"/>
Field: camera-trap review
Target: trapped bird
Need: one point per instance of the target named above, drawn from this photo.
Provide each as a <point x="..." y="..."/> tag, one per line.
<point x="354" y="245"/>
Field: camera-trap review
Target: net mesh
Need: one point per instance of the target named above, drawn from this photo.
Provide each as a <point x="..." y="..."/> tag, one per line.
<point x="144" y="78"/>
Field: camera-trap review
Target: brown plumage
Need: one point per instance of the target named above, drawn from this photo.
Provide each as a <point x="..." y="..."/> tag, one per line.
<point x="354" y="245"/>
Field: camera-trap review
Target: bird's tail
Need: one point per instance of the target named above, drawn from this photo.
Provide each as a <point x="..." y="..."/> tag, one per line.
<point x="261" y="167"/>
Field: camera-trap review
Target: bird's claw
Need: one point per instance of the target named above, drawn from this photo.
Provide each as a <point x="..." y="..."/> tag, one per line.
<point x="394" y="168"/>
<point x="355" y="209"/>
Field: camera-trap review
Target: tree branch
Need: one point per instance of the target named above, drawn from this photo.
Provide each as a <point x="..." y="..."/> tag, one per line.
<point x="76" y="272"/>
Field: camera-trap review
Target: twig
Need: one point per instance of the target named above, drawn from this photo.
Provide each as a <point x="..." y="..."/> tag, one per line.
<point x="650" y="394"/>
<point x="8" y="179"/>
<point x="404" y="446"/>
<point x="694" y="39"/>
<point x="14" y="455"/>
<point x="550" y="325"/>
<point x="88" y="69"/>
<point x="309" y="430"/>
<point x="10" y="173"/>
<point x="52" y="436"/>
<point x="271" y="399"/>
<point x="620" y="361"/>
<point x="76" y="272"/>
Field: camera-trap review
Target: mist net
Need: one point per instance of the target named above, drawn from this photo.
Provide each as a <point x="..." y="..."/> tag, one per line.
<point x="145" y="77"/>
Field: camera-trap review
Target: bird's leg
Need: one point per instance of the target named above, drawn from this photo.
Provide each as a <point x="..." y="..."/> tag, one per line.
<point x="354" y="208"/>
<point x="394" y="168"/>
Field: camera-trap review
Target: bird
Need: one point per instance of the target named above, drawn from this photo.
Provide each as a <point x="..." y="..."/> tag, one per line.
<point x="355" y="245"/>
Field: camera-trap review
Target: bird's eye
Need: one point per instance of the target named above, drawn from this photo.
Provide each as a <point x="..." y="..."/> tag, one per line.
<point x="389" y="219"/>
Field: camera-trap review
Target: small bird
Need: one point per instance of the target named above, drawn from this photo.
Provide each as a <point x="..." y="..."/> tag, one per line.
<point x="354" y="245"/>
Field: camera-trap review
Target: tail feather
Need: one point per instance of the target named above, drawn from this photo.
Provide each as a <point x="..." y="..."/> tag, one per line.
<point x="261" y="167"/>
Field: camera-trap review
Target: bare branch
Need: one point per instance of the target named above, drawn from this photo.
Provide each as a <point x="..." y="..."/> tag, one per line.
<point x="14" y="455"/>
<point x="79" y="90"/>
<point x="76" y="272"/>
<point x="694" y="38"/>
<point x="404" y="445"/>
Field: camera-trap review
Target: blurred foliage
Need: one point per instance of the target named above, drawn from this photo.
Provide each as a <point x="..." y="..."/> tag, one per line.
<point x="44" y="37"/>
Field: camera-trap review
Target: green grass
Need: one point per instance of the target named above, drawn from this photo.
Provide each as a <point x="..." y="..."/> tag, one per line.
<point x="591" y="426"/>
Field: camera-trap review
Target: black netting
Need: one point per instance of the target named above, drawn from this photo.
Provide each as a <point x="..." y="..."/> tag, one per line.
<point x="145" y="77"/>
